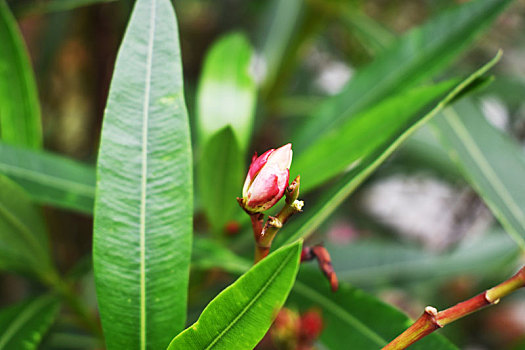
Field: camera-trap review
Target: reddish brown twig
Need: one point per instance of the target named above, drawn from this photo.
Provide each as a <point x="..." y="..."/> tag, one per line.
<point x="325" y="263"/>
<point x="431" y="319"/>
<point x="264" y="239"/>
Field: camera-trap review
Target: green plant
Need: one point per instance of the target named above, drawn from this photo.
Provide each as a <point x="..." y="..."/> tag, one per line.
<point x="151" y="229"/>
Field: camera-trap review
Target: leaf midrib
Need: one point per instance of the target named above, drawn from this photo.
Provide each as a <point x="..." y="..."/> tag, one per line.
<point x="254" y="299"/>
<point x="143" y="181"/>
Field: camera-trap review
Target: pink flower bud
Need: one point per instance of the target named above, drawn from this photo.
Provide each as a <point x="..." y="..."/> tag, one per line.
<point x="267" y="179"/>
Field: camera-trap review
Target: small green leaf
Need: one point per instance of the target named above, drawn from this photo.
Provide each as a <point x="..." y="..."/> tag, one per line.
<point x="221" y="174"/>
<point x="19" y="107"/>
<point x="491" y="162"/>
<point x="240" y="315"/>
<point x="225" y="112"/>
<point x="25" y="247"/>
<point x="368" y="162"/>
<point x="413" y="58"/>
<point x="278" y="29"/>
<point x="227" y="91"/>
<point x="351" y="316"/>
<point x="49" y="178"/>
<point x="23" y="325"/>
<point x="143" y="205"/>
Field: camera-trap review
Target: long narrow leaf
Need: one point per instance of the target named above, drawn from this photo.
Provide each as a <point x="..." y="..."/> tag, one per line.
<point x="221" y="172"/>
<point x="19" y="107"/>
<point x="23" y="325"/>
<point x="49" y="178"/>
<point x="491" y="161"/>
<point x="350" y="145"/>
<point x="308" y="222"/>
<point x="277" y="31"/>
<point x="143" y="205"/>
<point x="239" y="317"/>
<point x="373" y="263"/>
<point x="226" y="108"/>
<point x="415" y="57"/>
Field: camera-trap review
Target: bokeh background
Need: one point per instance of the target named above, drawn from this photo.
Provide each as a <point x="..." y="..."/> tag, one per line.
<point x="417" y="206"/>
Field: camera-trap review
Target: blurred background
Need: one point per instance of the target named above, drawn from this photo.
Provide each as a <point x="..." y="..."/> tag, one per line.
<point x="415" y="234"/>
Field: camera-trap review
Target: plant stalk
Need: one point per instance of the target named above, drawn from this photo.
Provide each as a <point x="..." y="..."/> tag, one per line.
<point x="431" y="319"/>
<point x="264" y="237"/>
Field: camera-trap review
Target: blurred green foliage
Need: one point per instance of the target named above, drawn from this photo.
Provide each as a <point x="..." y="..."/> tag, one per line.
<point x="347" y="81"/>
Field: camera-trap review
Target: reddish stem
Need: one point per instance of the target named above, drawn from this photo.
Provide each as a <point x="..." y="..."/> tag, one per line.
<point x="257" y="225"/>
<point x="424" y="325"/>
<point x="325" y="263"/>
<point x="264" y="235"/>
<point x="432" y="320"/>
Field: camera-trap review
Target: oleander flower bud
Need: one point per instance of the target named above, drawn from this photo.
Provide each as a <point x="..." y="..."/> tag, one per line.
<point x="267" y="179"/>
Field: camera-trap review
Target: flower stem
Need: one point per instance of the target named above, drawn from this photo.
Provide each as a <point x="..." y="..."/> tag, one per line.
<point x="431" y="319"/>
<point x="264" y="237"/>
<point x="324" y="260"/>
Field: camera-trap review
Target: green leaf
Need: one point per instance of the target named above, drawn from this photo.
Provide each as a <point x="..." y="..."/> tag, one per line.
<point x="348" y="146"/>
<point x="143" y="206"/>
<point x="278" y="30"/>
<point x="491" y="162"/>
<point x="374" y="263"/>
<point x="226" y="105"/>
<point x="240" y="315"/>
<point x="351" y="316"/>
<point x="221" y="174"/>
<point x="368" y="162"/>
<point x="19" y="107"/>
<point x="227" y="91"/>
<point x="413" y="58"/>
<point x="49" y="178"/>
<point x="23" y="325"/>
<point x="25" y="247"/>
